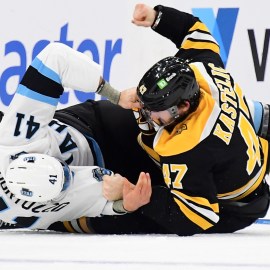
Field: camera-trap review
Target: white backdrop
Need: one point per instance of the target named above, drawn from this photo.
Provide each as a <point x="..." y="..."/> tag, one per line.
<point x="103" y="29"/>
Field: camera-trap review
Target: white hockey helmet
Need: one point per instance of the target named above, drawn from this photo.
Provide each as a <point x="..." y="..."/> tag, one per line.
<point x="37" y="177"/>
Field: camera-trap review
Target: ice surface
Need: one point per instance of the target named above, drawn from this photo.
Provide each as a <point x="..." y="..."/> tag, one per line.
<point x="29" y="250"/>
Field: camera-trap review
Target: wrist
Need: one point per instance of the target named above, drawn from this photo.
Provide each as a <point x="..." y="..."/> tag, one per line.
<point x="106" y="90"/>
<point x="118" y="207"/>
<point x="158" y="10"/>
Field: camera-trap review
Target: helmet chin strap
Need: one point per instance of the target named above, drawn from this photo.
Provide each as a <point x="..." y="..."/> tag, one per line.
<point x="176" y="117"/>
<point x="173" y="112"/>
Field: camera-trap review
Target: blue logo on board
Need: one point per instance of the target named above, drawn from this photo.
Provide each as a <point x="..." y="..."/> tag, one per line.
<point x="222" y="27"/>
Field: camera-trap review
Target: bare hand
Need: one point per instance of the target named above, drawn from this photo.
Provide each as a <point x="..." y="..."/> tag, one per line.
<point x="136" y="196"/>
<point x="143" y="15"/>
<point x="129" y="99"/>
<point x="113" y="187"/>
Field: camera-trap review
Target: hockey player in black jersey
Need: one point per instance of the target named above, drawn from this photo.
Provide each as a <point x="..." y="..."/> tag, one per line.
<point x="198" y="126"/>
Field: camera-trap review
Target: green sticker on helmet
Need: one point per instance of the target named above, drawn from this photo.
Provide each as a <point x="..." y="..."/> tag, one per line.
<point x="162" y="83"/>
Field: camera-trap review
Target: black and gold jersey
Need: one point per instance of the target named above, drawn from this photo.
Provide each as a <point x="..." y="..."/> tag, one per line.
<point x="214" y="155"/>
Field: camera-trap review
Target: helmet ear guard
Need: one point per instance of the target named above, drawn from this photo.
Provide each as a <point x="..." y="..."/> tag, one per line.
<point x="166" y="84"/>
<point x="37" y="177"/>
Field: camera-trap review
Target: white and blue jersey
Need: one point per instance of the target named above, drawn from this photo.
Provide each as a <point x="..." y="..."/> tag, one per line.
<point x="28" y="127"/>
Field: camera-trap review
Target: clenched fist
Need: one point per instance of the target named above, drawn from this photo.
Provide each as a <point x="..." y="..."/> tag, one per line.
<point x="113" y="187"/>
<point x="143" y="15"/>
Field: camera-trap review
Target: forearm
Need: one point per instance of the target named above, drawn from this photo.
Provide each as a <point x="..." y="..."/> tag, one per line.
<point x="189" y="34"/>
<point x="173" y="24"/>
<point x="69" y="67"/>
<point x="163" y="210"/>
<point x="106" y="90"/>
<point x="74" y="70"/>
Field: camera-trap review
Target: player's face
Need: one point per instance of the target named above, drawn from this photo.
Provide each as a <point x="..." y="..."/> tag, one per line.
<point x="165" y="118"/>
<point x="161" y="118"/>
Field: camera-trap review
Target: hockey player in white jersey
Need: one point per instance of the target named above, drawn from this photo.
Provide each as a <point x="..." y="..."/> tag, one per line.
<point x="49" y="170"/>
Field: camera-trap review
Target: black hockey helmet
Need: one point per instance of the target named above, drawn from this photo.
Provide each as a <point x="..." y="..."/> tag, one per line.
<point x="166" y="84"/>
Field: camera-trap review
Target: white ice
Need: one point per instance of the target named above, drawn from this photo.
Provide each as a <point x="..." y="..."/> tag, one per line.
<point x="29" y="250"/>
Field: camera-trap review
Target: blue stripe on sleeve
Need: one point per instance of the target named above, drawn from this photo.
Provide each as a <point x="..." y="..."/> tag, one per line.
<point x="257" y="115"/>
<point x="98" y="153"/>
<point x="24" y="91"/>
<point x="49" y="73"/>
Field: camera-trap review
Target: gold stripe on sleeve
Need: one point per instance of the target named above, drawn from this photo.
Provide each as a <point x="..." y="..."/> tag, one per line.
<point x="68" y="227"/>
<point x="198" y="220"/>
<point x="83" y="224"/>
<point x="188" y="44"/>
<point x="199" y="26"/>
<point x="198" y="200"/>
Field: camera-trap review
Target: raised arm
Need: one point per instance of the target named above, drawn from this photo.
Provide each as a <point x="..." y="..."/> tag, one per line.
<point x="188" y="33"/>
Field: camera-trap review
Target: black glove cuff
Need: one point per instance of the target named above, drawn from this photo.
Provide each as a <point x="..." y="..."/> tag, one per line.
<point x="158" y="9"/>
